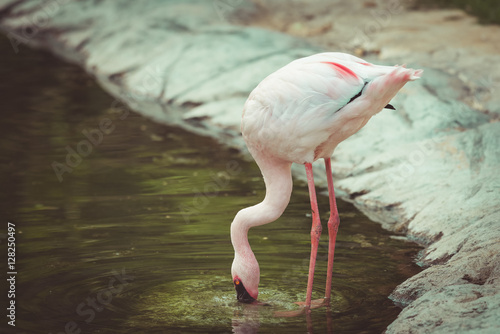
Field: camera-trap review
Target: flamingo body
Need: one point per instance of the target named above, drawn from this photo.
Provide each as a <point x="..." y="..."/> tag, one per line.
<point x="299" y="114"/>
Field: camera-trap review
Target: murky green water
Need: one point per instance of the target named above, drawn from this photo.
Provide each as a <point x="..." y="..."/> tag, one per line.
<point x="135" y="239"/>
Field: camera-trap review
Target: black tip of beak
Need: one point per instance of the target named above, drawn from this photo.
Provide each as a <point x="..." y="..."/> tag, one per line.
<point x="241" y="293"/>
<point x="390" y="106"/>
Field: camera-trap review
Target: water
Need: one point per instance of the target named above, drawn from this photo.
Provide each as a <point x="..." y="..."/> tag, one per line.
<point x="135" y="238"/>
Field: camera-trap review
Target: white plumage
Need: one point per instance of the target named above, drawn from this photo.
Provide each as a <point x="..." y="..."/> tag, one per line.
<point x="304" y="105"/>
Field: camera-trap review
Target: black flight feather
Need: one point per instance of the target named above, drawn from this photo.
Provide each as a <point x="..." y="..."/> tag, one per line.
<point x="389" y="106"/>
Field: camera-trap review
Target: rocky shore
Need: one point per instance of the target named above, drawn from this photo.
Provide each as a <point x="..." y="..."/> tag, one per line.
<point x="430" y="169"/>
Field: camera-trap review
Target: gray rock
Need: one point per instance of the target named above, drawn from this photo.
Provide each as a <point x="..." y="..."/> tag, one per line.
<point x="433" y="175"/>
<point x="452" y="309"/>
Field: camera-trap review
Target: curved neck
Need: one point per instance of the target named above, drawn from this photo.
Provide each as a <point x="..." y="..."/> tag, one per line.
<point x="278" y="180"/>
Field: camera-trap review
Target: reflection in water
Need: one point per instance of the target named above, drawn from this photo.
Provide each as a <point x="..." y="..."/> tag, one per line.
<point x="248" y="321"/>
<point x="156" y="203"/>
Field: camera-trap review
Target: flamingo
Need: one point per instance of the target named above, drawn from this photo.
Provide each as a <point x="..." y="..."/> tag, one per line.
<point x="299" y="114"/>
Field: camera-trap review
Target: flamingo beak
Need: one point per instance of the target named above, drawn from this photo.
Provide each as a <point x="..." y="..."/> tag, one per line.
<point x="241" y="293"/>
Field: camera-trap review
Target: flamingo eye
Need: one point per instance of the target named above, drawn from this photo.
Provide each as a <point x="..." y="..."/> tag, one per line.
<point x="237" y="282"/>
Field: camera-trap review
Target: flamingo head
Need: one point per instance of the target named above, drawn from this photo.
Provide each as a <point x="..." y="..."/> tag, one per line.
<point x="246" y="276"/>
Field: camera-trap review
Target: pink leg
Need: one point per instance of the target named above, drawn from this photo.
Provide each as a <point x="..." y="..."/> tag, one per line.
<point x="315" y="232"/>
<point x="333" y="226"/>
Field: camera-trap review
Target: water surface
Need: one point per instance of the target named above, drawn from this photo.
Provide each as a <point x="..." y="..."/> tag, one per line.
<point x="134" y="238"/>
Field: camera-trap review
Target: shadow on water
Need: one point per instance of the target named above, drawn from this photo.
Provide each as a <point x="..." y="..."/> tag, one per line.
<point x="135" y="239"/>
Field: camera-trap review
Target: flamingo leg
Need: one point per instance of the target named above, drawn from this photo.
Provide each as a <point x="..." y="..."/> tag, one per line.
<point x="333" y="226"/>
<point x="315" y="232"/>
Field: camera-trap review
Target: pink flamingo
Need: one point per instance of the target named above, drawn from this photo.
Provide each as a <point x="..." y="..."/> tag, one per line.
<point x="299" y="114"/>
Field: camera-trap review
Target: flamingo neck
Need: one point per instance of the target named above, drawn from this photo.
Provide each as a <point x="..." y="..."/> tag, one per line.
<point x="278" y="180"/>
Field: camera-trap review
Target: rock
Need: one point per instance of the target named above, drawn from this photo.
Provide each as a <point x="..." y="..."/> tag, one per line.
<point x="444" y="310"/>
<point x="428" y="169"/>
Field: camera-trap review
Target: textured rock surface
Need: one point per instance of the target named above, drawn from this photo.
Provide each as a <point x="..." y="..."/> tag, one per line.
<point x="452" y="309"/>
<point x="429" y="169"/>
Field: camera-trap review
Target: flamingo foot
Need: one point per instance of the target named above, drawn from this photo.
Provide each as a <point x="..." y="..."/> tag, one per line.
<point x="317" y="303"/>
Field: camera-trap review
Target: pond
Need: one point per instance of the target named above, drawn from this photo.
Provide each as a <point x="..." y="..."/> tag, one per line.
<point x="122" y="224"/>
